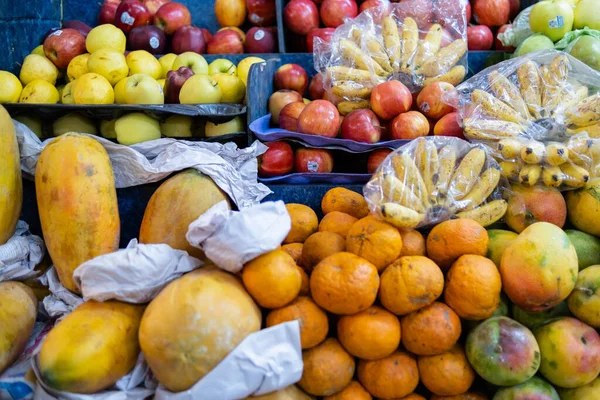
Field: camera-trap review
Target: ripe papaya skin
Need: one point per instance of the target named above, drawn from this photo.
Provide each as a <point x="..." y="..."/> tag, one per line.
<point x="92" y="347"/>
<point x="18" y="309"/>
<point x="77" y="203"/>
<point x="11" y="195"/>
<point x="178" y="201"/>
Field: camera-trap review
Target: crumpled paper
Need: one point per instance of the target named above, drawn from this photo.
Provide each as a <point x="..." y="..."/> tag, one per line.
<point x="61" y="301"/>
<point x="21" y="254"/>
<point x="234" y="170"/>
<point x="266" y="361"/>
<point x="232" y="238"/>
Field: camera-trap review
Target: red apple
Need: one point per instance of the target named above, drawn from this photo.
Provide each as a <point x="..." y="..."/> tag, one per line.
<point x="261" y="40"/>
<point x="372" y="4"/>
<point x="277" y="160"/>
<point x="207" y="35"/>
<point x="430" y="101"/>
<point x="333" y="12"/>
<point x="154" y="5"/>
<point x="313" y="160"/>
<point x="280" y="99"/>
<point x="491" y="12"/>
<point x="324" y="33"/>
<point x="149" y="38"/>
<point x="225" y="42"/>
<point x="376" y="158"/>
<point x="291" y="76"/>
<point x="130" y="14"/>
<point x="379" y="9"/>
<point x="174" y="82"/>
<point x="79" y="26"/>
<point x="261" y="12"/>
<point x="288" y="117"/>
<point x="172" y="16"/>
<point x="63" y="45"/>
<point x="448" y="125"/>
<point x="316" y="89"/>
<point x="108" y="11"/>
<point x="188" y="38"/>
<point x="498" y="44"/>
<point x="300" y="16"/>
<point x="390" y="98"/>
<point x="515" y="8"/>
<point x="409" y="125"/>
<point x="480" y="37"/>
<point x="470" y="11"/>
<point x="361" y="126"/>
<point x="319" y="117"/>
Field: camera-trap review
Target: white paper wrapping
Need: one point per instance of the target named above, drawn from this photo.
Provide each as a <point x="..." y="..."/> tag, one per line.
<point x="21" y="254"/>
<point x="232" y="238"/>
<point x="266" y="361"/>
<point x="234" y="170"/>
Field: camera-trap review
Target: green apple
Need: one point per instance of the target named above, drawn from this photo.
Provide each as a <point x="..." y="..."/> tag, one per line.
<point x="135" y="128"/>
<point x="243" y="68"/>
<point x="33" y="122"/>
<point x="222" y="65"/>
<point x="193" y="61"/>
<point x="38" y="67"/>
<point x="79" y="66"/>
<point x="166" y="62"/>
<point x="120" y="91"/>
<point x="142" y="62"/>
<point x="236" y="125"/>
<point x="109" y="63"/>
<point x="587" y="49"/>
<point x="177" y="126"/>
<point x="143" y="89"/>
<point x="587" y="13"/>
<point x="553" y="18"/>
<point x="39" y="51"/>
<point x="105" y="36"/>
<point x="11" y="87"/>
<point x="107" y="129"/>
<point x="66" y="97"/>
<point x="74" y="122"/>
<point x="534" y="43"/>
<point x="200" y="89"/>
<point x="232" y="87"/>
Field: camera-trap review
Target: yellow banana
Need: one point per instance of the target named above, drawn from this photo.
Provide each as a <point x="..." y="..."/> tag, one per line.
<point x="410" y="40"/>
<point x="555" y="79"/>
<point x="454" y="76"/>
<point x="378" y="53"/>
<point x="556" y="154"/>
<point x="350" y="51"/>
<point x="592" y="131"/>
<point x="509" y="149"/>
<point x="487" y="214"/>
<point x="530" y="84"/>
<point x="346" y="107"/>
<point x="428" y="164"/>
<point x="340" y="73"/>
<point x="429" y="46"/>
<point x="578" y="150"/>
<point x="447" y="162"/>
<point x="400" y="216"/>
<point x="585" y="113"/>
<point x="466" y="174"/>
<point x="444" y="60"/>
<point x="530" y="174"/>
<point x="552" y="176"/>
<point x="395" y="191"/>
<point x="407" y="172"/>
<point x="574" y="175"/>
<point x="570" y="97"/>
<point x="357" y="36"/>
<point x="533" y="152"/>
<point x="351" y="90"/>
<point x="391" y="40"/>
<point x="492" y="107"/>
<point x="506" y="91"/>
<point x="510" y="170"/>
<point x="486" y="129"/>
<point x="488" y="181"/>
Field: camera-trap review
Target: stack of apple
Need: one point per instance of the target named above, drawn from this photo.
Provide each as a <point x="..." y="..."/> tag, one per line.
<point x="148" y="24"/>
<point x="490" y="17"/>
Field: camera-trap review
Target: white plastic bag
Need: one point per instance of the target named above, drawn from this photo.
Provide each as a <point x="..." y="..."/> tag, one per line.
<point x="21" y="254"/>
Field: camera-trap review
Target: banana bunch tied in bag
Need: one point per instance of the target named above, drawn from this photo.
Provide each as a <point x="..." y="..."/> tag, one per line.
<point x="424" y="183"/>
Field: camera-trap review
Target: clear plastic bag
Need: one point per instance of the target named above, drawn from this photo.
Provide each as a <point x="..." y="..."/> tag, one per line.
<point x="415" y="41"/>
<point x="433" y="179"/>
<point x="538" y="114"/>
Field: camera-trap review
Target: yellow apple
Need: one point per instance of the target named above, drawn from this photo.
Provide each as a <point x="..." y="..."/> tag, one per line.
<point x="193" y="61"/>
<point x="162" y="83"/>
<point x="236" y="125"/>
<point x="106" y="36"/>
<point x="38" y="67"/>
<point x="143" y="89"/>
<point x="200" y="89"/>
<point x="177" y="126"/>
<point x="166" y="62"/>
<point x="222" y="65"/>
<point x="11" y="88"/>
<point x="93" y="88"/>
<point x="135" y="128"/>
<point x="39" y="51"/>
<point x="305" y="100"/>
<point x="74" y="122"/>
<point x="232" y="87"/>
<point x="60" y="91"/>
<point x="39" y="92"/>
<point x="33" y="122"/>
<point x="110" y="64"/>
<point x="120" y="91"/>
<point x="78" y="66"/>
<point x="107" y="129"/>
<point x="243" y="68"/>
<point x="142" y="62"/>
<point x="66" y="96"/>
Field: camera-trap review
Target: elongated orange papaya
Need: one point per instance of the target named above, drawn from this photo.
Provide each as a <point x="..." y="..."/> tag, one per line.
<point x="180" y="200"/>
<point x="11" y="186"/>
<point x="77" y="203"/>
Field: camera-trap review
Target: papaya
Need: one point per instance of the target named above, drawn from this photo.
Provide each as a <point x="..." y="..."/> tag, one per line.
<point x="11" y="195"/>
<point x="194" y="323"/>
<point x="18" y="309"/>
<point x="92" y="347"/>
<point x="77" y="203"/>
<point x="177" y="202"/>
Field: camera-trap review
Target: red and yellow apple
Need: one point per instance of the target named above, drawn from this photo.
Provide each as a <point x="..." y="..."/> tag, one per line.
<point x="409" y="125"/>
<point x="376" y="158"/>
<point x="280" y="99"/>
<point x="324" y="34"/>
<point x="319" y="117"/>
<point x="172" y="16"/>
<point x="333" y="12"/>
<point x="313" y="160"/>
<point x="300" y="16"/>
<point x="292" y="77"/>
<point x="361" y="126"/>
<point x="63" y="45"/>
<point x="277" y="160"/>
<point x="316" y="89"/>
<point x="261" y="12"/>
<point x="430" y="101"/>
<point x="449" y="125"/>
<point x="390" y="98"/>
<point x="288" y="117"/>
<point x="225" y="42"/>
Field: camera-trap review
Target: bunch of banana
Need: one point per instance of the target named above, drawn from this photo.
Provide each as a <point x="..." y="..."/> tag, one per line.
<point x="429" y="184"/>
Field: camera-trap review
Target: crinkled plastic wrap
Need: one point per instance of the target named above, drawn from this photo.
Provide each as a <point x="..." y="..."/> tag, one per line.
<point x="539" y="115"/>
<point x="21" y="254"/>
<point x="519" y="30"/>
<point x="416" y="42"/>
<point x="433" y="179"/>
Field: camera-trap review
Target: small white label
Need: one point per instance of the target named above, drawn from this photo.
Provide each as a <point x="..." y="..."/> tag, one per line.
<point x="557" y="23"/>
<point x="127" y="19"/>
<point x="259" y="34"/>
<point x="312" y="166"/>
<point x="154" y="42"/>
<point x="160" y="88"/>
<point x="56" y="33"/>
